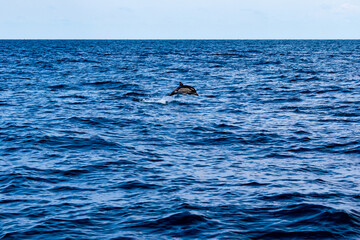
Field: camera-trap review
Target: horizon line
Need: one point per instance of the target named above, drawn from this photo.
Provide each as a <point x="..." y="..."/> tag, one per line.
<point x="179" y="39"/>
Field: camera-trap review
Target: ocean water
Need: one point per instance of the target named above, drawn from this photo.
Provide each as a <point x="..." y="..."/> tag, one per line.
<point x="91" y="146"/>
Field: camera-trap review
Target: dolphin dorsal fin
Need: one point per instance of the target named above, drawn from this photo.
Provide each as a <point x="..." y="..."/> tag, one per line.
<point x="181" y="84"/>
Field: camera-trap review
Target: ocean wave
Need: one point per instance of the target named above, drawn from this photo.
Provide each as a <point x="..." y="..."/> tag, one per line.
<point x="65" y="142"/>
<point x="91" y="146"/>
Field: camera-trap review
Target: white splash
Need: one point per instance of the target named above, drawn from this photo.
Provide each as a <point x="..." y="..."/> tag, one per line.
<point x="164" y="100"/>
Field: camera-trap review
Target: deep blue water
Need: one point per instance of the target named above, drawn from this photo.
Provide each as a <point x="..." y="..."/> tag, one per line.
<point x="92" y="148"/>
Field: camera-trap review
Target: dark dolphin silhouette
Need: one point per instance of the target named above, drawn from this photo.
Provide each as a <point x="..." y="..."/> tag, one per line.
<point x="183" y="89"/>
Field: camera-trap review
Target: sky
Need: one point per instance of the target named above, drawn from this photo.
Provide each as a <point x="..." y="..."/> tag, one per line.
<point x="179" y="19"/>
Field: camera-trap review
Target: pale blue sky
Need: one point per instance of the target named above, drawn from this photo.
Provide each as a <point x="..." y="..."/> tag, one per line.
<point x="179" y="19"/>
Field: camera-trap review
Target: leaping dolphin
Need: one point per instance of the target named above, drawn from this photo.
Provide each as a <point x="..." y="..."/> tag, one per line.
<point x="183" y="89"/>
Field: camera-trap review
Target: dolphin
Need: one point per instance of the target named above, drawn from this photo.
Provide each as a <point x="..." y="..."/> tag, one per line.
<point x="183" y="89"/>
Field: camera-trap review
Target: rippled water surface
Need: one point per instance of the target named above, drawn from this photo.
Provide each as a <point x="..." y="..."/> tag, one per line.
<point x="92" y="148"/>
